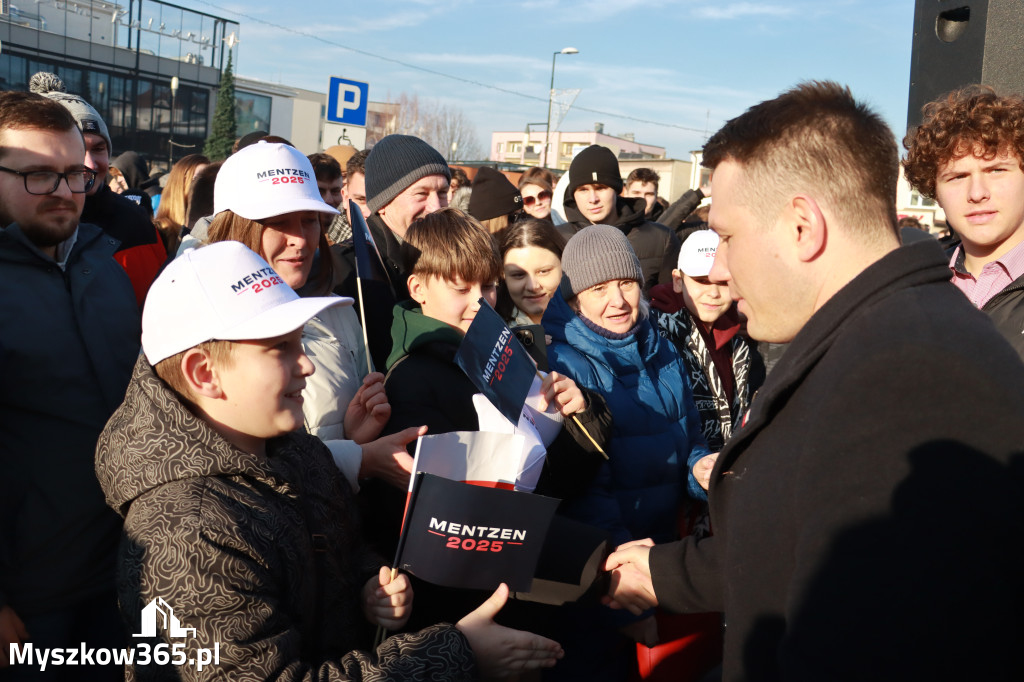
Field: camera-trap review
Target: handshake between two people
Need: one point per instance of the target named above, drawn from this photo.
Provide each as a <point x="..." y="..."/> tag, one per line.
<point x="630" y="585"/>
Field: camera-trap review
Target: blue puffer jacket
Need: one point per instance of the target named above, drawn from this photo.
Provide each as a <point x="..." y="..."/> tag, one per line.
<point x="656" y="436"/>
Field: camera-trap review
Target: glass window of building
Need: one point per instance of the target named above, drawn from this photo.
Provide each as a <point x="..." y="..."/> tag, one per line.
<point x="252" y="112"/>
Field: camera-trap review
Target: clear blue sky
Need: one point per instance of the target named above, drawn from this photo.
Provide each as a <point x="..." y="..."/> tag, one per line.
<point x="686" y="66"/>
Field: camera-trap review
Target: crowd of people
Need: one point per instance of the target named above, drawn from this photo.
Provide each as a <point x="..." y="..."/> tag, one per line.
<point x="796" y="424"/>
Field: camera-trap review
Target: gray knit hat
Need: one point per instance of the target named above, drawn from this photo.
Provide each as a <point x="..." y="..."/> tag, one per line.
<point x="50" y="85"/>
<point x="595" y="254"/>
<point x="396" y="162"/>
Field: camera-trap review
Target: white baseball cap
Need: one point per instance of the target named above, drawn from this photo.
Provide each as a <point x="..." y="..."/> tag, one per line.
<point x="697" y="254"/>
<point x="265" y="180"/>
<point x="225" y="292"/>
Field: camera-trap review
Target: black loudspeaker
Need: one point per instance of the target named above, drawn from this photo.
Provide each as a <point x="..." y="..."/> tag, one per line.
<point x="960" y="42"/>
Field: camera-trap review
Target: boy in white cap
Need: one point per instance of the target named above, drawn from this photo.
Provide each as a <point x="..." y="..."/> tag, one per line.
<point x="237" y="521"/>
<point x="266" y="197"/>
<point x="698" y="316"/>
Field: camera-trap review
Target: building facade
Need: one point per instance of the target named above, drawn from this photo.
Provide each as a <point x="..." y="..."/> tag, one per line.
<point x="122" y="58"/>
<point x="526" y="148"/>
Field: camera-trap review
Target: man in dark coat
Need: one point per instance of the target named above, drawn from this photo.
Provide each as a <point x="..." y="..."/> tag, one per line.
<point x="69" y="334"/>
<point x="592" y="197"/>
<point x="855" y="531"/>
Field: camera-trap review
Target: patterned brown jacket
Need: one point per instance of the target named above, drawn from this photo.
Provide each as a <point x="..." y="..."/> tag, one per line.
<point x="259" y="554"/>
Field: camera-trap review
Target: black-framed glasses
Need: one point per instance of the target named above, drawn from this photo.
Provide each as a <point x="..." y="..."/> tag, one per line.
<point x="46" y="182"/>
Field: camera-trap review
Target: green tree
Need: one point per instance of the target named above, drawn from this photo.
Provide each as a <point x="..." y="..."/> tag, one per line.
<point x="225" y="125"/>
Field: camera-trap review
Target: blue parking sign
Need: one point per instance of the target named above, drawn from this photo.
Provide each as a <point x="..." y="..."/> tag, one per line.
<point x="346" y="101"/>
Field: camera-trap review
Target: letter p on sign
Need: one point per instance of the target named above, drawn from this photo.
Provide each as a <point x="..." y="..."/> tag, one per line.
<point x="346" y="101"/>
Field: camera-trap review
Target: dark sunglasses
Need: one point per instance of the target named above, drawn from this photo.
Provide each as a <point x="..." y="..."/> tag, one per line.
<point x="530" y="201"/>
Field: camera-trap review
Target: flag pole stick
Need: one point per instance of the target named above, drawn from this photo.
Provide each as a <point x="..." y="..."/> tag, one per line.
<point x="362" y="317"/>
<point x="580" y="424"/>
<point x="382" y="632"/>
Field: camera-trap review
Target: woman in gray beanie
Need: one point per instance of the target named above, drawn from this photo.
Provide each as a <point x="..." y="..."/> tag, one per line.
<point x="603" y="340"/>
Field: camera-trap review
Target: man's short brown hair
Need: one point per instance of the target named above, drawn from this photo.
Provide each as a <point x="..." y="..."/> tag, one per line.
<point x="169" y="369"/>
<point x="972" y="120"/>
<point x="357" y="163"/>
<point x="325" y="167"/>
<point x="643" y="176"/>
<point x="29" y="111"/>
<point x="815" y="136"/>
<point x="449" y="244"/>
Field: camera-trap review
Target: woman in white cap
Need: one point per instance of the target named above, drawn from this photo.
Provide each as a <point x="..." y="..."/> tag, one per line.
<point x="266" y="197"/>
<point x="603" y="340"/>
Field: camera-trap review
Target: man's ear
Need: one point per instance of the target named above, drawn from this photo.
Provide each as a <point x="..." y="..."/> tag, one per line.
<point x="677" y="281"/>
<point x="809" y="227"/>
<point x="200" y="374"/>
<point x="417" y="288"/>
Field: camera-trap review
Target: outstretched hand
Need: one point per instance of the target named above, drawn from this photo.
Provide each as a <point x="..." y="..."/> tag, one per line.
<point x="502" y="651"/>
<point x="12" y="631"/>
<point x="387" y="602"/>
<point x="387" y="458"/>
<point x="631" y="585"/>
<point x="562" y="392"/>
<point x="368" y="411"/>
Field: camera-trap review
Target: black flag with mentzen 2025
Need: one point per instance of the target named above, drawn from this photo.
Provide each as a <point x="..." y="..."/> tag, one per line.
<point x="496" y="363"/>
<point x="368" y="267"/>
<point x="462" y="535"/>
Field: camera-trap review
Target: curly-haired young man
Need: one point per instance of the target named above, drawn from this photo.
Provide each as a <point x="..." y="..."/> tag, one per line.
<point x="968" y="154"/>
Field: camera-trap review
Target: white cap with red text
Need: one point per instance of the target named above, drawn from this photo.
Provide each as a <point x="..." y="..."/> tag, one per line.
<point x="267" y="179"/>
<point x="222" y="292"/>
<point x="697" y="254"/>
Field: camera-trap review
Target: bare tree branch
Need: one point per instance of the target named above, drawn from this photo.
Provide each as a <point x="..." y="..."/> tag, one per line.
<point x="444" y="127"/>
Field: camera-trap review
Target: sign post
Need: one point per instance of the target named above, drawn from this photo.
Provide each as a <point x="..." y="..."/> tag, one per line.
<point x="345" y="117"/>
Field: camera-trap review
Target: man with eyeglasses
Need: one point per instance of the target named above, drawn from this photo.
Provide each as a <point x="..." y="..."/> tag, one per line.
<point x="141" y="251"/>
<point x="69" y="335"/>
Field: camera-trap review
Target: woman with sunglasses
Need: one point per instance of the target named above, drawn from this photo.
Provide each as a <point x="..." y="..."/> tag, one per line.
<point x="536" y="193"/>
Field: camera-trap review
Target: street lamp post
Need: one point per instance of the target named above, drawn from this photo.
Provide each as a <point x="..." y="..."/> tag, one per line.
<point x="174" y="95"/>
<point x="551" y="92"/>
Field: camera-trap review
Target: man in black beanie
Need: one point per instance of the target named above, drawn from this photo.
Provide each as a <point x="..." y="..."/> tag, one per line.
<point x="406" y="179"/>
<point x="592" y="198"/>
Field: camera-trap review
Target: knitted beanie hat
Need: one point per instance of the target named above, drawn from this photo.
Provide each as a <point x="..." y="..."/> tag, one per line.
<point x="50" y="85"/>
<point x="595" y="164"/>
<point x="493" y="195"/>
<point x="595" y="254"/>
<point x="396" y="162"/>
